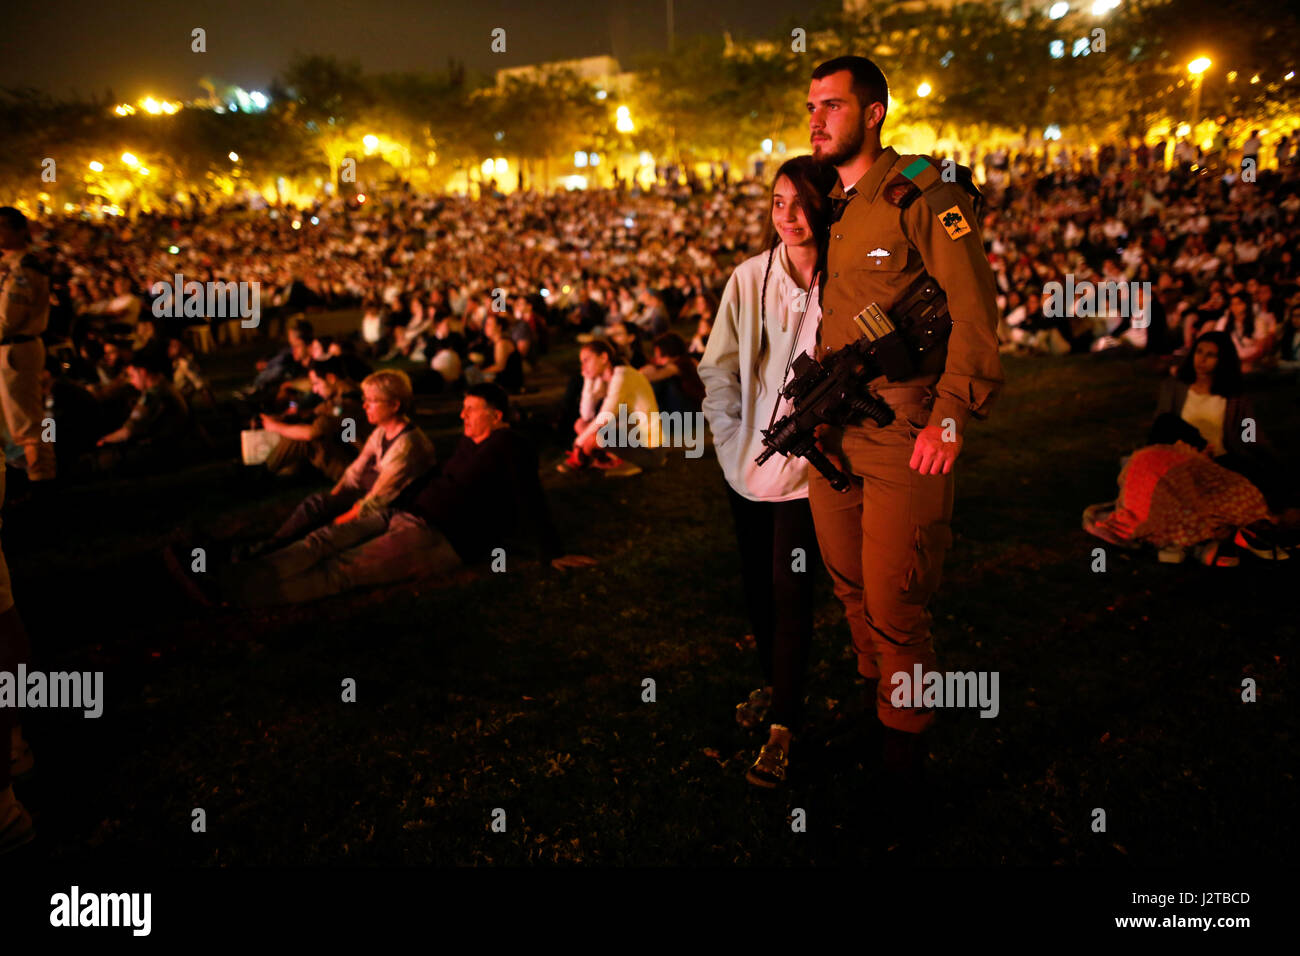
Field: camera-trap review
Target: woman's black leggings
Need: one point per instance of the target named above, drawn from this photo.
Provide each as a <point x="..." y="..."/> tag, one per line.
<point x="778" y="597"/>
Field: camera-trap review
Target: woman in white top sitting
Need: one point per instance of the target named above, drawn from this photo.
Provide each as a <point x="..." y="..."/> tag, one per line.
<point x="1207" y="394"/>
<point x="769" y="314"/>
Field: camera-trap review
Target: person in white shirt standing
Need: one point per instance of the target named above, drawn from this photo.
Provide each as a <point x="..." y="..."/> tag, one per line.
<point x="768" y="315"/>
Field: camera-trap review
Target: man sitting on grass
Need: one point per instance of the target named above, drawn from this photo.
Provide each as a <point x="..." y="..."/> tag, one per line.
<point x="327" y="442"/>
<point x="488" y="487"/>
<point x="158" y="419"/>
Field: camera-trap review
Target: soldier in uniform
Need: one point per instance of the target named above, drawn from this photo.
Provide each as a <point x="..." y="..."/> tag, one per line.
<point x="24" y="311"/>
<point x="884" y="540"/>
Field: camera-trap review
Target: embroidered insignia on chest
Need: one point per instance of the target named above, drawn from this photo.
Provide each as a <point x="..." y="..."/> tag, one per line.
<point x="954" y="222"/>
<point x="878" y="252"/>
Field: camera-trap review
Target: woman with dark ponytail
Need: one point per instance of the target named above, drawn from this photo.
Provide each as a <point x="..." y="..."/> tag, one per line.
<point x="769" y="314"/>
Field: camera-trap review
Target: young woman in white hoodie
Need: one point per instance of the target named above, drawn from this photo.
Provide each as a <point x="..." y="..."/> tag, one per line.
<point x="770" y="313"/>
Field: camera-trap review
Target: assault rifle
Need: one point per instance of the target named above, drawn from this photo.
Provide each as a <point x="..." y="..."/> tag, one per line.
<point x="833" y="391"/>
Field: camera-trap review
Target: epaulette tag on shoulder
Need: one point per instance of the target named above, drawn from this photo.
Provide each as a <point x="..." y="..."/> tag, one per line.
<point x="924" y="175"/>
<point x="921" y="172"/>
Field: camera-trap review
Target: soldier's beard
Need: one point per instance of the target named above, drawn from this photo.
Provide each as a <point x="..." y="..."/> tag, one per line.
<point x="837" y="154"/>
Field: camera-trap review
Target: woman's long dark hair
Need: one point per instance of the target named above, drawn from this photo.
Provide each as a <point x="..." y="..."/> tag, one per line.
<point x="812" y="183"/>
<point x="1227" y="372"/>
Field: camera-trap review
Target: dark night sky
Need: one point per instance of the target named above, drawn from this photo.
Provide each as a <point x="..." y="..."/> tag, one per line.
<point x="139" y="47"/>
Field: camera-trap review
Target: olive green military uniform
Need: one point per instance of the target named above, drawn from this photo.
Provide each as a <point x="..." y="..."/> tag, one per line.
<point x="24" y="312"/>
<point x="885" y="539"/>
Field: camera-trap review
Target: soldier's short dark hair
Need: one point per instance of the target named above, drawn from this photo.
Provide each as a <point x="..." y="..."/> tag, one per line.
<point x="493" y="394"/>
<point x="869" y="84"/>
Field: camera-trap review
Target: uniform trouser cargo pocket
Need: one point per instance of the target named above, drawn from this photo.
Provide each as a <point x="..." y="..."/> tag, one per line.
<point x="931" y="544"/>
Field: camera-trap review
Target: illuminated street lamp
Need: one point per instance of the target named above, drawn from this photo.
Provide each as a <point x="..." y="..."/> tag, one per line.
<point x="234" y="156"/>
<point x="624" y="120"/>
<point x="1197" y="68"/>
<point x="130" y="160"/>
<point x="96" y="166"/>
<point x="924" y="89"/>
<point x="371" y="142"/>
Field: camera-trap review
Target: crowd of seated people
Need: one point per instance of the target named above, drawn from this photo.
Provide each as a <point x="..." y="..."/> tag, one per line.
<point x="397" y="513"/>
<point x="465" y="292"/>
<point x="1217" y="251"/>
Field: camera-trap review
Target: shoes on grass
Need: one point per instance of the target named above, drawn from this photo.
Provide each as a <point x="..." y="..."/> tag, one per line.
<point x="615" y="467"/>
<point x="752" y="712"/>
<point x="1259" y="545"/>
<point x="770" y="768"/>
<point x="574" y="461"/>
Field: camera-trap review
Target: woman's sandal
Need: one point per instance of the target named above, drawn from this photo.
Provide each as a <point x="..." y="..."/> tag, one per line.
<point x="1259" y="545"/>
<point x="770" y="767"/>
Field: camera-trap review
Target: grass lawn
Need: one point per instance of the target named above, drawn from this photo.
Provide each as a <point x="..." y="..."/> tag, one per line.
<point x="1119" y="690"/>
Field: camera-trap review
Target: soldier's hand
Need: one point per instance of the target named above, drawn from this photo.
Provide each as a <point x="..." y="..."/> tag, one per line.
<point x="828" y="443"/>
<point x="932" y="455"/>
